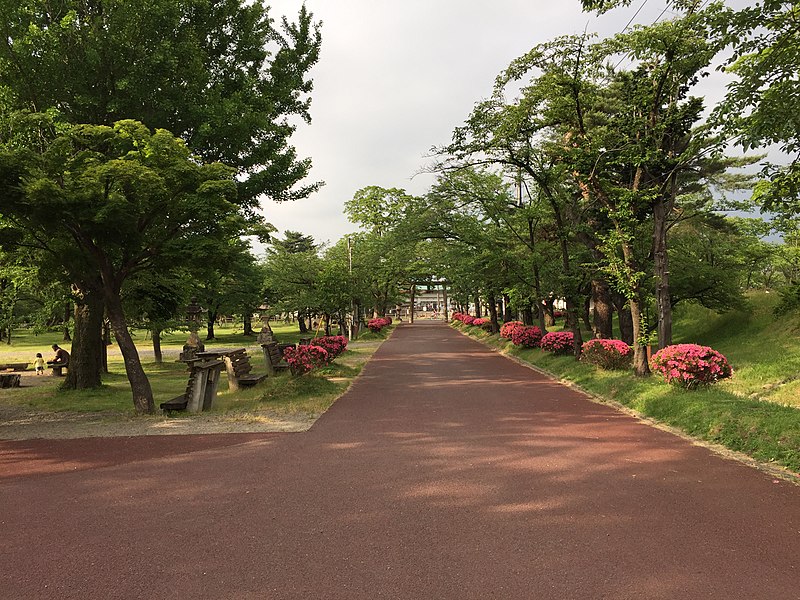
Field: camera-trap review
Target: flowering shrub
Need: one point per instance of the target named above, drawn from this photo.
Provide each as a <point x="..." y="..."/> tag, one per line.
<point x="526" y="336"/>
<point x="557" y="342"/>
<point x="468" y="319"/>
<point x="304" y="358"/>
<point x="334" y="345"/>
<point x="506" y="329"/>
<point x="375" y="325"/>
<point x="690" y="365"/>
<point x="607" y="354"/>
<point x="479" y="322"/>
<point x="458" y="316"/>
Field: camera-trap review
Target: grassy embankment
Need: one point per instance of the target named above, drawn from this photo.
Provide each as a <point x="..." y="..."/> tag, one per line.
<point x="756" y="412"/>
<point x="308" y="395"/>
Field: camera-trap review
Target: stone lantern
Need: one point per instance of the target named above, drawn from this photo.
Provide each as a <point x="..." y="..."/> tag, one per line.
<point x="265" y="336"/>
<point x="193" y="345"/>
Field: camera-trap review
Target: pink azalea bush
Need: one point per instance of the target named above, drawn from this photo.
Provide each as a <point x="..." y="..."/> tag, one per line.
<point x="375" y="325"/>
<point x="607" y="354"/>
<point x="334" y="345"/>
<point x="557" y="342"/>
<point x="303" y="359"/>
<point x="463" y="317"/>
<point x="530" y="337"/>
<point x="690" y="365"/>
<point x="507" y="328"/>
<point x="480" y="322"/>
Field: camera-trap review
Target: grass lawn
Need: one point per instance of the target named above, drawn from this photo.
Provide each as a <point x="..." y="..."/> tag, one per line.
<point x="756" y="412"/>
<point x="285" y="396"/>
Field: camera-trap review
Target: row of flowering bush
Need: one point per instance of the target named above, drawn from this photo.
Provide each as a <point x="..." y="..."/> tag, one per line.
<point x="334" y="345"/>
<point x="607" y="354"/>
<point x="302" y="359"/>
<point x="687" y="365"/>
<point x="690" y="365"/>
<point x="375" y="325"/>
<point x="318" y="353"/>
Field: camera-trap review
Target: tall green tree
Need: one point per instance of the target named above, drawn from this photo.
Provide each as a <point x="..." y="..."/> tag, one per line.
<point x="224" y="76"/>
<point x="114" y="201"/>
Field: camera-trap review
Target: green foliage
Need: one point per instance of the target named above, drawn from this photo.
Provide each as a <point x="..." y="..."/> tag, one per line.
<point x="224" y="76"/>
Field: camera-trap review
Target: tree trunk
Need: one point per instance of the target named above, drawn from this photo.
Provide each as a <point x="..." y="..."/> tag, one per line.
<point x="301" y="322"/>
<point x="477" y="306"/>
<point x="587" y="321"/>
<point x="156" y="333"/>
<point x="67" y="313"/>
<point x="106" y="343"/>
<point x="493" y="312"/>
<point x="85" y="361"/>
<point x="661" y="270"/>
<point x="603" y="311"/>
<point x="574" y="327"/>
<point x="212" y="318"/>
<point x="527" y="316"/>
<point x="327" y="317"/>
<point x="444" y="300"/>
<point x="140" y="385"/>
<point x="624" y="318"/>
<point x="549" y="311"/>
<point x="247" y="317"/>
<point x="507" y="316"/>
<point x="640" y="366"/>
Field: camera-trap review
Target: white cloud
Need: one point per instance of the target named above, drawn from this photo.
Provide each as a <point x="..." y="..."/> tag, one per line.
<point x="395" y="79"/>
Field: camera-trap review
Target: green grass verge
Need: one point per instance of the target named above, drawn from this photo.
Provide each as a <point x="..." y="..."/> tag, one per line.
<point x="764" y="428"/>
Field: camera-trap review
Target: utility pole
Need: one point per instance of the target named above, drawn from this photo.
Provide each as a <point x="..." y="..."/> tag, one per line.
<point x="352" y="302"/>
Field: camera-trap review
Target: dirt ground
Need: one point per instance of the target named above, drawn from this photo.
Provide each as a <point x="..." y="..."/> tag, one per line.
<point x="19" y="423"/>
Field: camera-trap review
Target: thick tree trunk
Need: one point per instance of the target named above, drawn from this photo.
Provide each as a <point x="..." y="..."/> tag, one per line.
<point x="477" y="306"/>
<point x="327" y="323"/>
<point x="67" y="314"/>
<point x="661" y="270"/>
<point x="156" y="333"/>
<point x="603" y="311"/>
<point x="140" y="385"/>
<point x="85" y="361"/>
<point x="624" y="318"/>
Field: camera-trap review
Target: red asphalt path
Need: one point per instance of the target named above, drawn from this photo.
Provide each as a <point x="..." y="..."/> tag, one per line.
<point x="447" y="471"/>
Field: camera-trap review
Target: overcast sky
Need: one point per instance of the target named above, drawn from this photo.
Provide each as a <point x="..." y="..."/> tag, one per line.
<point x="395" y="78"/>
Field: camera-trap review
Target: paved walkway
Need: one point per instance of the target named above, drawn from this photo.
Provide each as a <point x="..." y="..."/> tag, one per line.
<point x="446" y="472"/>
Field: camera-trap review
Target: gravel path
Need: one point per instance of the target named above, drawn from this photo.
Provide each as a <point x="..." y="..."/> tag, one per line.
<point x="446" y="471"/>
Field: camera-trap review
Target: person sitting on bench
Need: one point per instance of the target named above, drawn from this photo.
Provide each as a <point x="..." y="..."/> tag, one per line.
<point x="61" y="358"/>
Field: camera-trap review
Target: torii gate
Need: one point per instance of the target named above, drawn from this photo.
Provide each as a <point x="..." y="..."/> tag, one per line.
<point x="431" y="282"/>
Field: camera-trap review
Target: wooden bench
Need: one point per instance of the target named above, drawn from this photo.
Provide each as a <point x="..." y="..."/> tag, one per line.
<point x="56" y="369"/>
<point x="273" y="355"/>
<point x="201" y="389"/>
<point x="14" y="367"/>
<point x="237" y="364"/>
